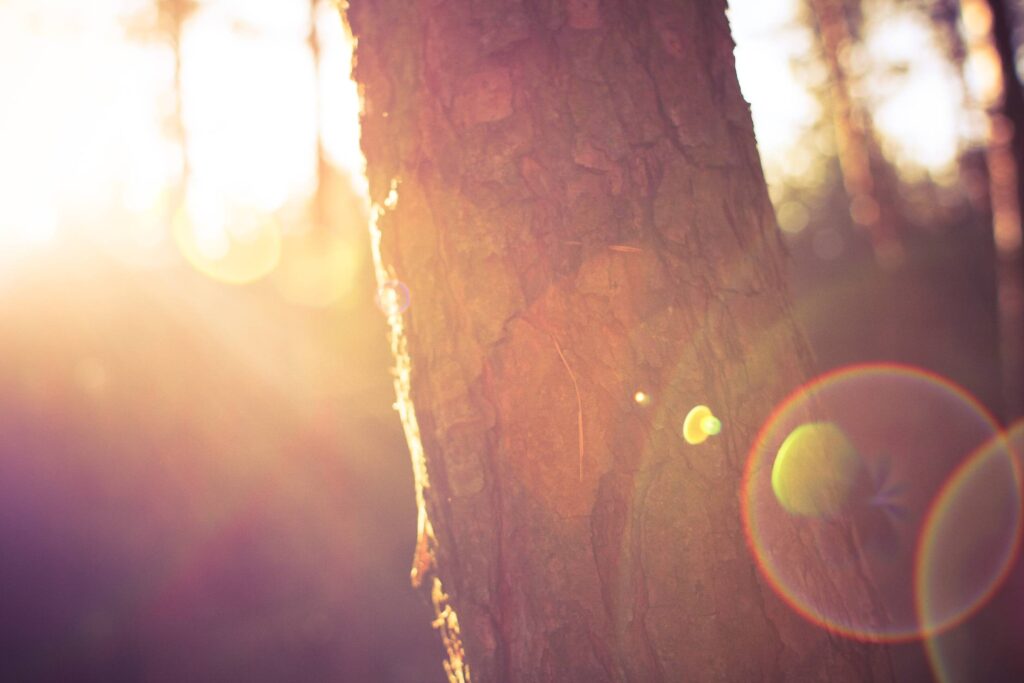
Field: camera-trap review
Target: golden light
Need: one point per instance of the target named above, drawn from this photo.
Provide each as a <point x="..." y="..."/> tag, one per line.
<point x="87" y="147"/>
<point x="236" y="251"/>
<point x="908" y="73"/>
<point x="339" y="95"/>
<point x="700" y="424"/>
<point x="904" y="70"/>
<point x="976" y="17"/>
<point x="249" y="100"/>
<point x="317" y="272"/>
<point x="984" y="74"/>
<point x="768" y="38"/>
<point x="93" y="149"/>
<point x="90" y="149"/>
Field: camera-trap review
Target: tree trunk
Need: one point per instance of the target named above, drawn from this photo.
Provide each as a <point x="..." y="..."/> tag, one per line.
<point x="1006" y="189"/>
<point x="872" y="204"/>
<point x="1012" y="106"/>
<point x="572" y="194"/>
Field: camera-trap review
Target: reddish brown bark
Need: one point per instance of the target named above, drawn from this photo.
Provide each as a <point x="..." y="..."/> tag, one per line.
<point x="572" y="193"/>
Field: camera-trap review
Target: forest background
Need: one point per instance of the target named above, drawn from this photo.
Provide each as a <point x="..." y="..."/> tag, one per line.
<point x="202" y="472"/>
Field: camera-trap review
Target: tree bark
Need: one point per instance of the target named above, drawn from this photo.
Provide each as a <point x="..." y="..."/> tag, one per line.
<point x="572" y="193"/>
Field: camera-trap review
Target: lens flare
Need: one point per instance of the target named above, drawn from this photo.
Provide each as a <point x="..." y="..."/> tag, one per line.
<point x="815" y="470"/>
<point x="393" y="297"/>
<point x="700" y="423"/>
<point x="836" y="489"/>
<point x="225" y="250"/>
<point x="970" y="541"/>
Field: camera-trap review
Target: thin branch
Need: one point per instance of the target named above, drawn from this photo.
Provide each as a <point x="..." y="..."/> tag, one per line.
<point x="579" y="401"/>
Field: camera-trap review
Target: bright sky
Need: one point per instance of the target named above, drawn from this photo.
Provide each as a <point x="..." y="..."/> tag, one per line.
<point x="918" y="110"/>
<point x="768" y="37"/>
<point x="74" y="118"/>
<point x="87" y="144"/>
<point x="917" y="94"/>
<point x="85" y="122"/>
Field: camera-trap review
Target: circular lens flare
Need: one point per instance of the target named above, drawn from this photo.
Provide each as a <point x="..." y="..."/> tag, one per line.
<point x="235" y="256"/>
<point x="969" y="544"/>
<point x="836" y="489"/>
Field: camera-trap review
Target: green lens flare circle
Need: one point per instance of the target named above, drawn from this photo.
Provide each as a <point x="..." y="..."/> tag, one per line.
<point x="815" y="470"/>
<point x="838" y="485"/>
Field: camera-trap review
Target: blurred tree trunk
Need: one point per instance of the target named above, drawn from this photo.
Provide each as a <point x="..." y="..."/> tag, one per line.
<point x="172" y="15"/>
<point x="323" y="167"/>
<point x="572" y="194"/>
<point x="1006" y="189"/>
<point x="867" y="176"/>
<point x="1003" y="23"/>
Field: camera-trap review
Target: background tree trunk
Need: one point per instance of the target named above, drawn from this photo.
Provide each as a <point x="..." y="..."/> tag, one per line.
<point x="1006" y="189"/>
<point x="572" y="194"/>
<point x="864" y="168"/>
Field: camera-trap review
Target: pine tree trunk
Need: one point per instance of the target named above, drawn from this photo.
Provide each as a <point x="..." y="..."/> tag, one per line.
<point x="572" y="194"/>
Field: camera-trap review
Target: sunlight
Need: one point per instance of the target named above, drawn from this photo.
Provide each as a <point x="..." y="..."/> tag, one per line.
<point x="339" y="96"/>
<point x="71" y="133"/>
<point x="768" y="39"/>
<point x="249" y="108"/>
<point x="910" y="75"/>
<point x="236" y="247"/>
<point x="90" y="149"/>
<point x="583" y="270"/>
<point x="905" y="73"/>
<point x="90" y="146"/>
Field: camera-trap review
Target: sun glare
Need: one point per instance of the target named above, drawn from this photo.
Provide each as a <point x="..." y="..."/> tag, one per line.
<point x="908" y="75"/>
<point x="90" y="145"/>
<point x="902" y="72"/>
<point x="768" y="39"/>
<point x="249" y="97"/>
<point x="89" y="140"/>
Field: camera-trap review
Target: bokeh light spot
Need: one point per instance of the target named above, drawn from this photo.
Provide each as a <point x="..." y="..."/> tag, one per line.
<point x="235" y="256"/>
<point x="793" y="217"/>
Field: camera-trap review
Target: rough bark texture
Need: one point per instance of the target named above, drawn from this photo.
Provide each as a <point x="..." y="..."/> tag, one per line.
<point x="572" y="193"/>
